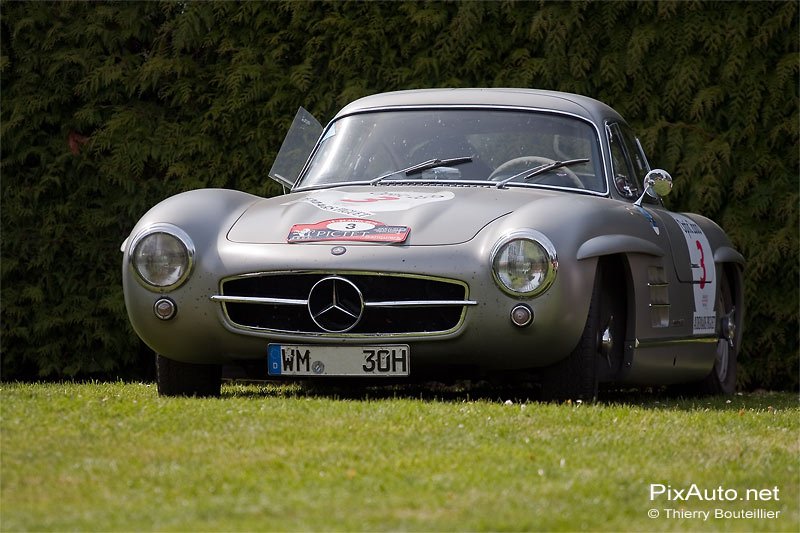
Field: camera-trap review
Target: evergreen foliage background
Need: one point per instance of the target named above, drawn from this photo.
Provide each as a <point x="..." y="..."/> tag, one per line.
<point x="107" y="108"/>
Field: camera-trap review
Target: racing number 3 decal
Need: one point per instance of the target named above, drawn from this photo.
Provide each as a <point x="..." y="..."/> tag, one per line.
<point x="702" y="265"/>
<point x="704" y="318"/>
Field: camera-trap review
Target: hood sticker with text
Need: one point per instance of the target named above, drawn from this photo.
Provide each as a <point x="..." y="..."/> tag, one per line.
<point x="364" y="204"/>
<point x="347" y="229"/>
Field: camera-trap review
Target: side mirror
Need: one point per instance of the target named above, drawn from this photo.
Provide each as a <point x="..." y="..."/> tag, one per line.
<point x="657" y="183"/>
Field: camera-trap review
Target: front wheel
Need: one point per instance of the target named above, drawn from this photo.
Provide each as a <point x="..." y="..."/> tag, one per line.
<point x="186" y="379"/>
<point x="599" y="351"/>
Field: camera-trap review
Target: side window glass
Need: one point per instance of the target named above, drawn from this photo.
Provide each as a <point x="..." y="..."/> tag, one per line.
<point x="623" y="172"/>
<point x="634" y="151"/>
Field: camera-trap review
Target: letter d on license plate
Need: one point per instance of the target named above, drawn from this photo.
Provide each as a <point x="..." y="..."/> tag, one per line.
<point x="316" y="360"/>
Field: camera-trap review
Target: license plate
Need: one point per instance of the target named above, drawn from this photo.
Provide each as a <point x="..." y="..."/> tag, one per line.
<point x="316" y="360"/>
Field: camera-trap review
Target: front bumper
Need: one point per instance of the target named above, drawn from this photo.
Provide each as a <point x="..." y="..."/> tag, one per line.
<point x="202" y="331"/>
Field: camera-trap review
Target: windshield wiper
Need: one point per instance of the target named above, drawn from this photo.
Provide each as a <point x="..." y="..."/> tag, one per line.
<point x="532" y="173"/>
<point x="425" y="165"/>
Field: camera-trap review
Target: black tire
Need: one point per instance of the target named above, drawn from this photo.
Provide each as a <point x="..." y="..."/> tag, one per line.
<point x="185" y="379"/>
<point x="722" y="378"/>
<point x="577" y="376"/>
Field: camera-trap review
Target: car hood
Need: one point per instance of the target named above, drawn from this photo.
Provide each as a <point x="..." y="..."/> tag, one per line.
<point x="433" y="215"/>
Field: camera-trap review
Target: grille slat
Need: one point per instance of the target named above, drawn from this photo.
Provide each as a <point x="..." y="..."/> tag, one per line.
<point x="393" y="304"/>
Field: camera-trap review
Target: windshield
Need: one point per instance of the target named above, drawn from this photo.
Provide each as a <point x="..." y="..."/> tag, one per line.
<point x="463" y="145"/>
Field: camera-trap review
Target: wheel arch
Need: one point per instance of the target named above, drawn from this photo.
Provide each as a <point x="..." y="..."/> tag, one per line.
<point x="615" y="270"/>
<point x="734" y="272"/>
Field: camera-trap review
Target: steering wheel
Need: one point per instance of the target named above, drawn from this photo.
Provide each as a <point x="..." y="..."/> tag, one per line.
<point x="537" y="160"/>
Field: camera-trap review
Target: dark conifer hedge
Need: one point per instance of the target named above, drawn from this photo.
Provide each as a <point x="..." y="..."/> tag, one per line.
<point x="107" y="108"/>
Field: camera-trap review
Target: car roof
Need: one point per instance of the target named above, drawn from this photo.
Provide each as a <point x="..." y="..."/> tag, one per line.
<point x="582" y="106"/>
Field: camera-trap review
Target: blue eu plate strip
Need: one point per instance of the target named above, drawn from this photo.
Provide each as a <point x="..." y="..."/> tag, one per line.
<point x="274" y="359"/>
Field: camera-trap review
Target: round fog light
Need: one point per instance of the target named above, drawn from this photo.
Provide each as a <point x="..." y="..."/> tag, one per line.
<point x="165" y="308"/>
<point x="521" y="315"/>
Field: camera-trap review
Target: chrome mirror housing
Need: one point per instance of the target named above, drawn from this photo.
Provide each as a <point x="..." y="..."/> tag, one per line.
<point x="657" y="183"/>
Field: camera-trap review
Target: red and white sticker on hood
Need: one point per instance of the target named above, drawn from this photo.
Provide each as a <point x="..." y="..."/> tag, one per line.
<point x="347" y="229"/>
<point x="365" y="204"/>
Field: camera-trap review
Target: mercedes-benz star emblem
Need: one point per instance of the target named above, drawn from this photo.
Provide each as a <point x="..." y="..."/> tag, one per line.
<point x="335" y="304"/>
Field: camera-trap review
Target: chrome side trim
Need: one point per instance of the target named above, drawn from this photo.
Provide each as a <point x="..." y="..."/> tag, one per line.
<point x="256" y="300"/>
<point x="288" y="301"/>
<point x="669" y="342"/>
<point x="421" y="303"/>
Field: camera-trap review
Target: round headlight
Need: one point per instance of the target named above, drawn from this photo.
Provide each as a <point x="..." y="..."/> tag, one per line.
<point x="524" y="263"/>
<point x="161" y="257"/>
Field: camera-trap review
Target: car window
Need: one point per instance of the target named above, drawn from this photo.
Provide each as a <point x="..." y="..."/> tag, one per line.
<point x="500" y="143"/>
<point x="634" y="151"/>
<point x="296" y="147"/>
<point x="623" y="175"/>
<point x="629" y="166"/>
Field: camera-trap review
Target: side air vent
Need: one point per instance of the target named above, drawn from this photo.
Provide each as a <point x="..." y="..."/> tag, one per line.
<point x="659" y="297"/>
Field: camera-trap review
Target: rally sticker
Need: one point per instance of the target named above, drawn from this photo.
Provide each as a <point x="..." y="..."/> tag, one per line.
<point x="365" y="204"/>
<point x="347" y="229"/>
<point x="650" y="218"/>
<point x="702" y="263"/>
<point x="642" y="211"/>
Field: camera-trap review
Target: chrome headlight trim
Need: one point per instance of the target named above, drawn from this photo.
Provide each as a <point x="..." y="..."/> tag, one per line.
<point x="172" y="231"/>
<point x="536" y="237"/>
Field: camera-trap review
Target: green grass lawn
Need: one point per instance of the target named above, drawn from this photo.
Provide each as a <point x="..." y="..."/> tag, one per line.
<point x="115" y="456"/>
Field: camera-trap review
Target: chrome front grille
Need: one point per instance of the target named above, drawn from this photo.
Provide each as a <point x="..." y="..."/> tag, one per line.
<point x="390" y="304"/>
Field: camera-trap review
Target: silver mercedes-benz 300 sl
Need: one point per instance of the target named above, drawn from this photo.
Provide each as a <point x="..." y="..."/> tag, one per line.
<point x="443" y="232"/>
